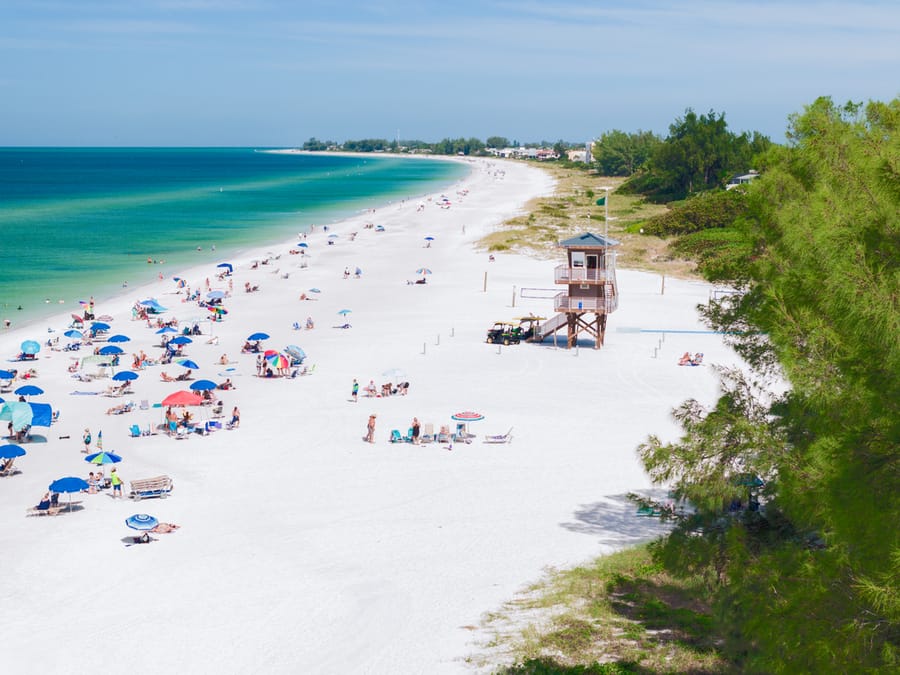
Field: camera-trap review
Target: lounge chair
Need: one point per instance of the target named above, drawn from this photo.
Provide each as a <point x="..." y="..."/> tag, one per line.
<point x="409" y="436"/>
<point x="8" y="468"/>
<point x="427" y="434"/>
<point x="444" y="435"/>
<point x="499" y="438"/>
<point x="135" y="431"/>
<point x="396" y="437"/>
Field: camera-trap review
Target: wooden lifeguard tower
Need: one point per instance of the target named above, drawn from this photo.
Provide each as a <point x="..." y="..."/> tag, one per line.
<point x="591" y="294"/>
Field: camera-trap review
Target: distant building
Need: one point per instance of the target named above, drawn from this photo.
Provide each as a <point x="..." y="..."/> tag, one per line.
<point x="742" y="179"/>
<point x="577" y="155"/>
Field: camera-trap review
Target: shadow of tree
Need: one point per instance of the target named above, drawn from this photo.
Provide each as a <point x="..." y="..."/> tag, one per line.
<point x="614" y="521"/>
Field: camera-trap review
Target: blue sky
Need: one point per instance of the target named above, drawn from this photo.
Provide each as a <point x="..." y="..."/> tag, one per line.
<point x="274" y="73"/>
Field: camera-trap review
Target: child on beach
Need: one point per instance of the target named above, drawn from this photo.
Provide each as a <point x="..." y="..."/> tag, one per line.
<point x="86" y="439"/>
<point x="355" y="391"/>
<point x="116" y="483"/>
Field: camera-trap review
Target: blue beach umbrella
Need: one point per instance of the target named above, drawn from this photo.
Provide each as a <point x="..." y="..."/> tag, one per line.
<point x="203" y="385"/>
<point x="74" y="334"/>
<point x="69" y="484"/>
<point x="30" y="347"/>
<point x="303" y="244"/>
<point x="423" y="271"/>
<point x="166" y="329"/>
<point x="187" y="363"/>
<point x="125" y="376"/>
<point x="344" y="312"/>
<point x="103" y="458"/>
<point x="314" y="290"/>
<point x="6" y="375"/>
<point x="29" y="390"/>
<point x="141" y="522"/>
<point x="10" y="451"/>
<point x="259" y="336"/>
<point x="110" y="350"/>
<point x="99" y="325"/>
<point x="429" y="238"/>
<point x="118" y="338"/>
<point x="180" y="340"/>
<point x="215" y="295"/>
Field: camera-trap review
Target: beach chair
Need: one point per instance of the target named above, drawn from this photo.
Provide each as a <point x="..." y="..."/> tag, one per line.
<point x="145" y="404"/>
<point x="444" y="435"/>
<point x="8" y="468"/>
<point x="427" y="435"/>
<point x="395" y="436"/>
<point x="409" y="436"/>
<point x="499" y="438"/>
<point x="462" y="434"/>
<point x="135" y="431"/>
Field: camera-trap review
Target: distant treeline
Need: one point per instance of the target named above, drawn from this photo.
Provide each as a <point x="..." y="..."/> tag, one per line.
<point x="700" y="153"/>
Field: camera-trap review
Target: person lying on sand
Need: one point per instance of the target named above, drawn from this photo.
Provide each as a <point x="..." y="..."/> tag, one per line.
<point x="164" y="528"/>
<point x="165" y="377"/>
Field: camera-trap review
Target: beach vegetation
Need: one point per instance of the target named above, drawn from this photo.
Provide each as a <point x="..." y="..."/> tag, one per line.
<point x="622" y="613"/>
<point x="700" y="153"/>
<point x="806" y="578"/>
<point x="784" y="555"/>
<point x="618" y="153"/>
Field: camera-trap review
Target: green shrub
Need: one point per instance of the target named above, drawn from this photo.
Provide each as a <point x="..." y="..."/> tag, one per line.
<point x="705" y="211"/>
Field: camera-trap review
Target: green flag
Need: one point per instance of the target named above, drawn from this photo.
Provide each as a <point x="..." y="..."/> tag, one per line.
<point x="601" y="201"/>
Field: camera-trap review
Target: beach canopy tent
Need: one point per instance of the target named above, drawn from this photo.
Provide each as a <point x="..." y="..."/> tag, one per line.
<point x="182" y="397"/>
<point x="297" y="355"/>
<point x="41" y="414"/>
<point x="228" y="267"/>
<point x="96" y="360"/>
<point x="152" y="306"/>
<point x="19" y="413"/>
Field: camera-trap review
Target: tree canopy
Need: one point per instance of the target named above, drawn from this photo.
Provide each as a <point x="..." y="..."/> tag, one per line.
<point x="809" y="582"/>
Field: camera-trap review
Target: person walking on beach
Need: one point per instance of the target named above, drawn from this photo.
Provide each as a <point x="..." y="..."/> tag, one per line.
<point x="355" y="392"/>
<point x="87" y="441"/>
<point x="116" y="483"/>
<point x="235" y="418"/>
<point x="370" y="429"/>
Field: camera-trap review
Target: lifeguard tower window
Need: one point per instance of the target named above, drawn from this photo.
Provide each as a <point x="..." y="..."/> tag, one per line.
<point x="577" y="258"/>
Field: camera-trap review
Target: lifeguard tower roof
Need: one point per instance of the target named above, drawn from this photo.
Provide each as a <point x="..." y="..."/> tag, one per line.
<point x="588" y="240"/>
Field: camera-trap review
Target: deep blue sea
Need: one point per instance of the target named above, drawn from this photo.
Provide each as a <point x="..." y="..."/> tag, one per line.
<point x="76" y="222"/>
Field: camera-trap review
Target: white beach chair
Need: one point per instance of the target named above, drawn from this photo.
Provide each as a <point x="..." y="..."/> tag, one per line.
<point x="499" y="438"/>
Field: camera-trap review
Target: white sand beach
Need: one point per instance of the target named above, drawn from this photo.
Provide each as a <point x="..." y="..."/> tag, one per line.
<point x="301" y="548"/>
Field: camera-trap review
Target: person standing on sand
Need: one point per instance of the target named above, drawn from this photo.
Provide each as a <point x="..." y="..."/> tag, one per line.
<point x="355" y="392"/>
<point x="87" y="441"/>
<point x="370" y="429"/>
<point x="116" y="483"/>
<point x="415" y="430"/>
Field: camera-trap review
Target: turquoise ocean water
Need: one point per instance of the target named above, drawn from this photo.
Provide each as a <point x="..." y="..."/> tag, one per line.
<point x="76" y="222"/>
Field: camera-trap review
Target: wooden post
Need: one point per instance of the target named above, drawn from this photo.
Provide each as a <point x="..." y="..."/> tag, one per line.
<point x="484" y="290"/>
<point x="662" y="291"/>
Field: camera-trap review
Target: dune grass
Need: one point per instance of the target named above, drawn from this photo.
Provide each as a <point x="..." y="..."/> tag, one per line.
<point x="572" y="209"/>
<point x="619" y="614"/>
